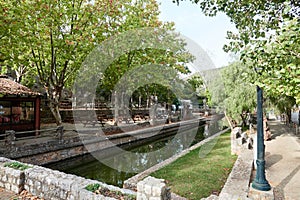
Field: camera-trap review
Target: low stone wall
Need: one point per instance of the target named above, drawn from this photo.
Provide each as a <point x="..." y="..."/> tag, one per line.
<point x="11" y="179"/>
<point x="240" y="141"/>
<point x="51" y="184"/>
<point x="55" y="185"/>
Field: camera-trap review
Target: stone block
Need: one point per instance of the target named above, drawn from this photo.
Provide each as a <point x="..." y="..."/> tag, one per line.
<point x="63" y="194"/>
<point x="157" y="190"/>
<point x="71" y="197"/>
<point x="66" y="184"/>
<point x="75" y="188"/>
<point x="15" y="189"/>
<point x="38" y="185"/>
<point x="141" y="196"/>
<point x="10" y="178"/>
<point x="148" y="189"/>
<point x="155" y="198"/>
<point x="86" y="195"/>
<point x="26" y="187"/>
<point x="140" y="186"/>
<point x="4" y="178"/>
<point x="7" y="186"/>
<point x="29" y="182"/>
<point x="3" y="160"/>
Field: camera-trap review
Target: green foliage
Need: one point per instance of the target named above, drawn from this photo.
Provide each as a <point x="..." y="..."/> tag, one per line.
<point x="197" y="83"/>
<point x="240" y="93"/>
<point x="279" y="60"/>
<point x="267" y="38"/>
<point x="214" y="89"/>
<point x="17" y="165"/>
<point x="252" y="18"/>
<point x="47" y="41"/>
<point x="92" y="187"/>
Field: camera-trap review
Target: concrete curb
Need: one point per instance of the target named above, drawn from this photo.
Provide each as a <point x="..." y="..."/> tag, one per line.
<point x="238" y="181"/>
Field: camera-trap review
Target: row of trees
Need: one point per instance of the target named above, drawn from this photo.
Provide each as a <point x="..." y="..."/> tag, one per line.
<point x="47" y="41"/>
<point x="268" y="40"/>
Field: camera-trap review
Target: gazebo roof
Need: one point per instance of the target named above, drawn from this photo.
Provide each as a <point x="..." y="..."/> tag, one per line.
<point x="9" y="87"/>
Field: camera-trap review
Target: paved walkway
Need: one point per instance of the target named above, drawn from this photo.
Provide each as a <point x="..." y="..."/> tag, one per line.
<point x="283" y="161"/>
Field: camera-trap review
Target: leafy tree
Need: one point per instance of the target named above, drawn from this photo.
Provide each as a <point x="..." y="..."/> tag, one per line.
<point x="283" y="104"/>
<point x="51" y="39"/>
<point x="267" y="38"/>
<point x="175" y="58"/>
<point x="253" y="19"/>
<point x="240" y="93"/>
<point x="279" y="60"/>
<point x="196" y="82"/>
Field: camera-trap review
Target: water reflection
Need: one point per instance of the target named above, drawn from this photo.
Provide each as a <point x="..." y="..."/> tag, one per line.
<point x="142" y="157"/>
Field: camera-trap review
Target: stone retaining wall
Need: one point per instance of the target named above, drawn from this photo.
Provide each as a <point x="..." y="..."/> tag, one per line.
<point x="52" y="150"/>
<point x="153" y="189"/>
<point x="51" y="184"/>
<point x="55" y="185"/>
<point x="11" y="179"/>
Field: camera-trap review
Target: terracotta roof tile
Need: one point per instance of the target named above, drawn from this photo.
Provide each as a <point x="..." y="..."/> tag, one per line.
<point x="9" y="87"/>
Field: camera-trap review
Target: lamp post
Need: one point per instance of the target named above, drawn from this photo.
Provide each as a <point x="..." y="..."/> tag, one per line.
<point x="260" y="182"/>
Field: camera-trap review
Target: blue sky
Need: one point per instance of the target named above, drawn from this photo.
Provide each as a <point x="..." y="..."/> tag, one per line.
<point x="208" y="32"/>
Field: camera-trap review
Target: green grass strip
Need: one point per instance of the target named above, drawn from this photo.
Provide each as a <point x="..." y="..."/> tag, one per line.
<point x="195" y="176"/>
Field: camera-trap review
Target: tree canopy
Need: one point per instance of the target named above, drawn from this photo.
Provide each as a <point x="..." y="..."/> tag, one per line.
<point x="267" y="38"/>
<point x="48" y="40"/>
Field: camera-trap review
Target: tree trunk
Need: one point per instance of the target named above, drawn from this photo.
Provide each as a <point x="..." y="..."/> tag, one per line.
<point x="54" y="95"/>
<point x="289" y="115"/>
<point x="244" y="123"/>
<point x="116" y="108"/>
<point x="54" y="107"/>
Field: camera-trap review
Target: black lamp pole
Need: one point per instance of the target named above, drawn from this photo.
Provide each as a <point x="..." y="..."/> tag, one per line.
<point x="260" y="182"/>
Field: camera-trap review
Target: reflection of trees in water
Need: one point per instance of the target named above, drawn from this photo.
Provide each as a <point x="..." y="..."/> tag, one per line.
<point x="120" y="167"/>
<point x="144" y="157"/>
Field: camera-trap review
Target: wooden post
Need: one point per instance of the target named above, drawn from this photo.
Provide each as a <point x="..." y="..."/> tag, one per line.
<point x="37" y="114"/>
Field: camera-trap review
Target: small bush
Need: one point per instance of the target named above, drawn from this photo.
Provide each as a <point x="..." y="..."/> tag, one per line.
<point x="92" y="187"/>
<point x="96" y="188"/>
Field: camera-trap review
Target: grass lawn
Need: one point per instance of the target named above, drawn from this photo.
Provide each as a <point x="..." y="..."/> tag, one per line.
<point x="193" y="176"/>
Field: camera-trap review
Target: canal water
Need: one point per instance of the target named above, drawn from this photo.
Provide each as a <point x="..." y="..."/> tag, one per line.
<point x="146" y="155"/>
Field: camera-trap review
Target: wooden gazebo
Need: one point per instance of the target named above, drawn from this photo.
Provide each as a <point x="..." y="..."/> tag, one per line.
<point x="19" y="106"/>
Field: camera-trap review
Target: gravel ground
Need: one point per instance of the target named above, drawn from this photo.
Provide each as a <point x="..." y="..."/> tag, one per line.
<point x="24" y="195"/>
